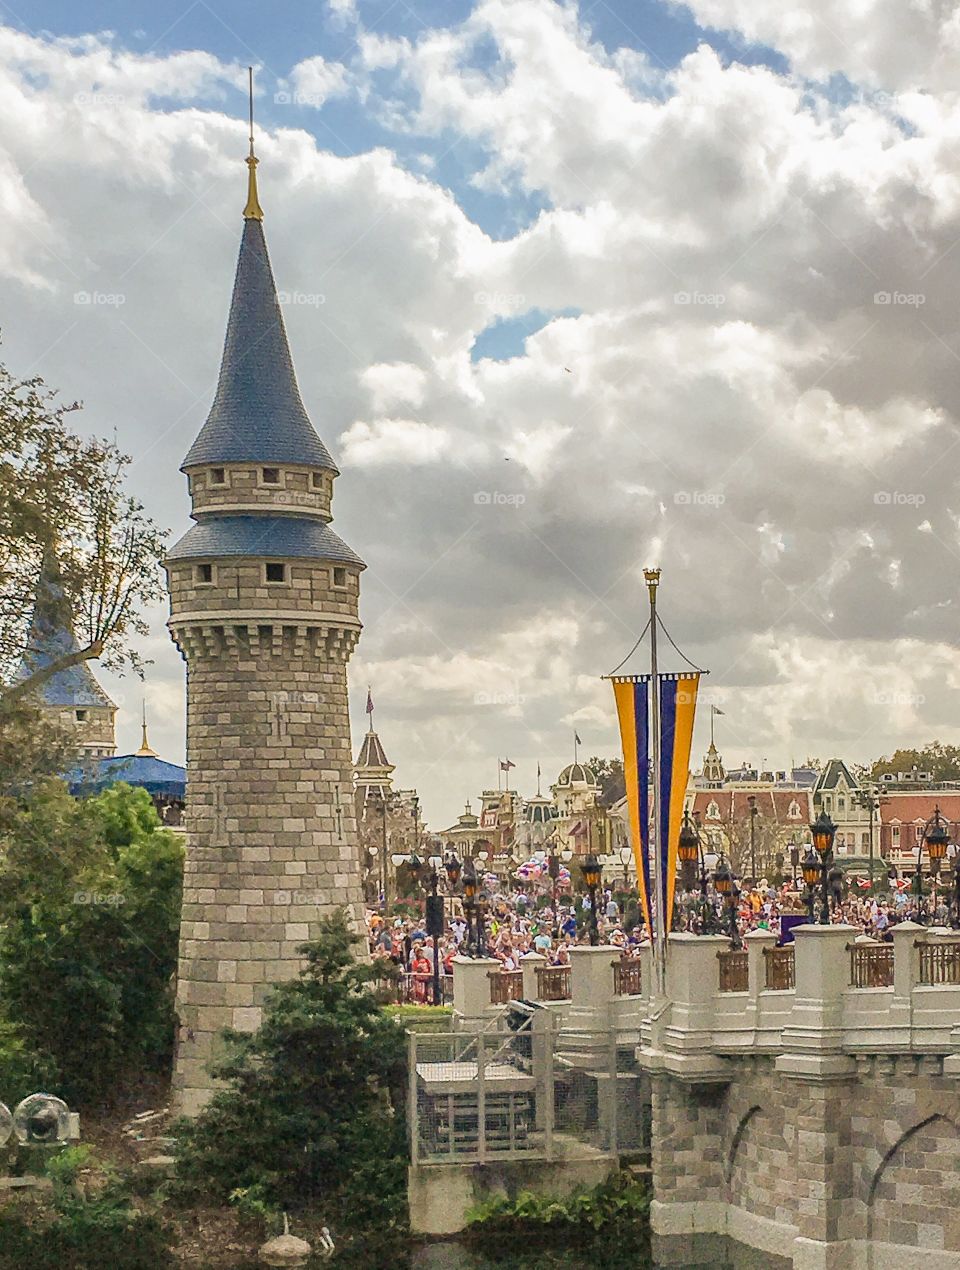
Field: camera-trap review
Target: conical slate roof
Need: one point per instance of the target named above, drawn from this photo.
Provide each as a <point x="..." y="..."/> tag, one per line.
<point x="51" y="637"/>
<point x="371" y="752"/>
<point x="257" y="415"/>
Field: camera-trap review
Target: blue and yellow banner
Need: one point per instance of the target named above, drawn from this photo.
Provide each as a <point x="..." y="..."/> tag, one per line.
<point x="678" y="706"/>
<point x="632" y="697"/>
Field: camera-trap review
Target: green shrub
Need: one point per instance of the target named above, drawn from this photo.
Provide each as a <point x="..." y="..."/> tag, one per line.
<point x="609" y="1222"/>
<point x="81" y="1233"/>
<point x="23" y="1071"/>
<point x="311" y="1112"/>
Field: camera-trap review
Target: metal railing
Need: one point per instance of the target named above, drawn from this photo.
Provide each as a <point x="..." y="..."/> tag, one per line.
<point x="871" y="965"/>
<point x="553" y="983"/>
<point x="499" y="1093"/>
<point x="780" y="967"/>
<point x="505" y="986"/>
<point x="940" y="961"/>
<point x="626" y="977"/>
<point x="734" y="973"/>
<point x="410" y="989"/>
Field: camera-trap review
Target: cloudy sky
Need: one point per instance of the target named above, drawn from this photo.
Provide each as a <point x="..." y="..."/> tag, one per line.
<point x="571" y="290"/>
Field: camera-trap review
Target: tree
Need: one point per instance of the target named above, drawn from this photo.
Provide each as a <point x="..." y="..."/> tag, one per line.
<point x="311" y="1108"/>
<point x="609" y="772"/>
<point x="63" y="493"/>
<point x="942" y="760"/>
<point x="89" y="920"/>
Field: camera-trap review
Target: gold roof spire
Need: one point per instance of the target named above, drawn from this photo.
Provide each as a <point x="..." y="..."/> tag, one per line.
<point x="145" y="751"/>
<point x="253" y="210"/>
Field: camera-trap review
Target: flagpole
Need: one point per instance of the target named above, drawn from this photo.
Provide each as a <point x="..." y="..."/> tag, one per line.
<point x="713" y="715"/>
<point x="658" y="917"/>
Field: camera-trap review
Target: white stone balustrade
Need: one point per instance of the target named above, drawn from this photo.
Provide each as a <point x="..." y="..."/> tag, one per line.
<point x="819" y="1022"/>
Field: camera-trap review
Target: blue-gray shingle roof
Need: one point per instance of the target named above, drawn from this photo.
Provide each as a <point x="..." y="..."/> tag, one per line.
<point x="257" y="415"/>
<point x="153" y="774"/>
<point x="263" y="536"/>
<point x="50" y="638"/>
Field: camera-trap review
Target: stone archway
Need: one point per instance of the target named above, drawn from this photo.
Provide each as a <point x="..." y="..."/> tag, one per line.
<point x="914" y="1196"/>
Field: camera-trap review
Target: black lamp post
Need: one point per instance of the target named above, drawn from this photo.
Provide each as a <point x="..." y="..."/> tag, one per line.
<point x="592" y="873"/>
<point x="553" y="872"/>
<point x="823" y="830"/>
<point x="726" y="887"/>
<point x="470" y="901"/>
<point x="811" y="875"/>
<point x="435" y="923"/>
<point x="754" y="813"/>
<point x="937" y="839"/>
<point x="688" y="850"/>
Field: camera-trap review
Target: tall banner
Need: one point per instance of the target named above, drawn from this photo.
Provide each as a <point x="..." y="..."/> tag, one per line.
<point x="632" y="696"/>
<point x="678" y="707"/>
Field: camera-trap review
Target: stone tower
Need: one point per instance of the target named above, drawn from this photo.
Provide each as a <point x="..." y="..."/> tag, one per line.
<point x="263" y="607"/>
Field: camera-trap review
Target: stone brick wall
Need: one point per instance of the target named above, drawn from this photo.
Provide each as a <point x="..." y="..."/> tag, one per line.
<point x="300" y="489"/>
<point x="686" y="1137"/>
<point x="866" y="1161"/>
<point x="239" y="586"/>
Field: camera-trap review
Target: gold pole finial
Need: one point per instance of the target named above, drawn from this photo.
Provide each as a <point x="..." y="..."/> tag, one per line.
<point x="652" y="579"/>
<point x="144" y="750"/>
<point x="253" y="210"/>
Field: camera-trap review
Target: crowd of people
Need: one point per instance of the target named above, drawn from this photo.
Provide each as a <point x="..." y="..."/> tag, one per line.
<point x="515" y="924"/>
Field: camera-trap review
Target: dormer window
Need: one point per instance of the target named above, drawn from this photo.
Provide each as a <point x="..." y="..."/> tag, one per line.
<point x="218" y="476"/>
<point x="340" y="577"/>
<point x="203" y="575"/>
<point x="270" y="475"/>
<point x="794" y="810"/>
<point x="275" y="571"/>
<point x="713" y="811"/>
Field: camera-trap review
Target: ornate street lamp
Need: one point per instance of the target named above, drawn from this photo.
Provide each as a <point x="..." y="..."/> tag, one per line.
<point x="725" y="884"/>
<point x="811" y="875"/>
<point x="690" y="851"/>
<point x="592" y="871"/>
<point x="823" y="831"/>
<point x="453" y="868"/>
<point x="937" y="840"/>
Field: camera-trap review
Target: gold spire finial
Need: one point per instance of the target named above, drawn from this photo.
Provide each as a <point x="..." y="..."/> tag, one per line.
<point x="253" y="210"/>
<point x="145" y="751"/>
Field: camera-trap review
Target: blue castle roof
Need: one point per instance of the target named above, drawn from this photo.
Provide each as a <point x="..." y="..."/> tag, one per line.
<point x="153" y="774"/>
<point x="50" y="638"/>
<point x="293" y="536"/>
<point x="257" y="415"/>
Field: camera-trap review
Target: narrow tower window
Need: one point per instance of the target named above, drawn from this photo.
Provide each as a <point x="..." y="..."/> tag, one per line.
<point x="218" y="476"/>
<point x="276" y="572"/>
<point x="316" y="480"/>
<point x="81" y="716"/>
<point x="270" y="475"/>
<point x="339" y="577"/>
<point x="204" y="574"/>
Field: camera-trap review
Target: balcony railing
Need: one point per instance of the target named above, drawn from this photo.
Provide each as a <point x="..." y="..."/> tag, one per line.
<point x="733" y="971"/>
<point x="505" y="985"/>
<point x="939" y="962"/>
<point x="553" y="983"/>
<point x="780" y="968"/>
<point x="626" y="977"/>
<point x="871" y="965"/>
